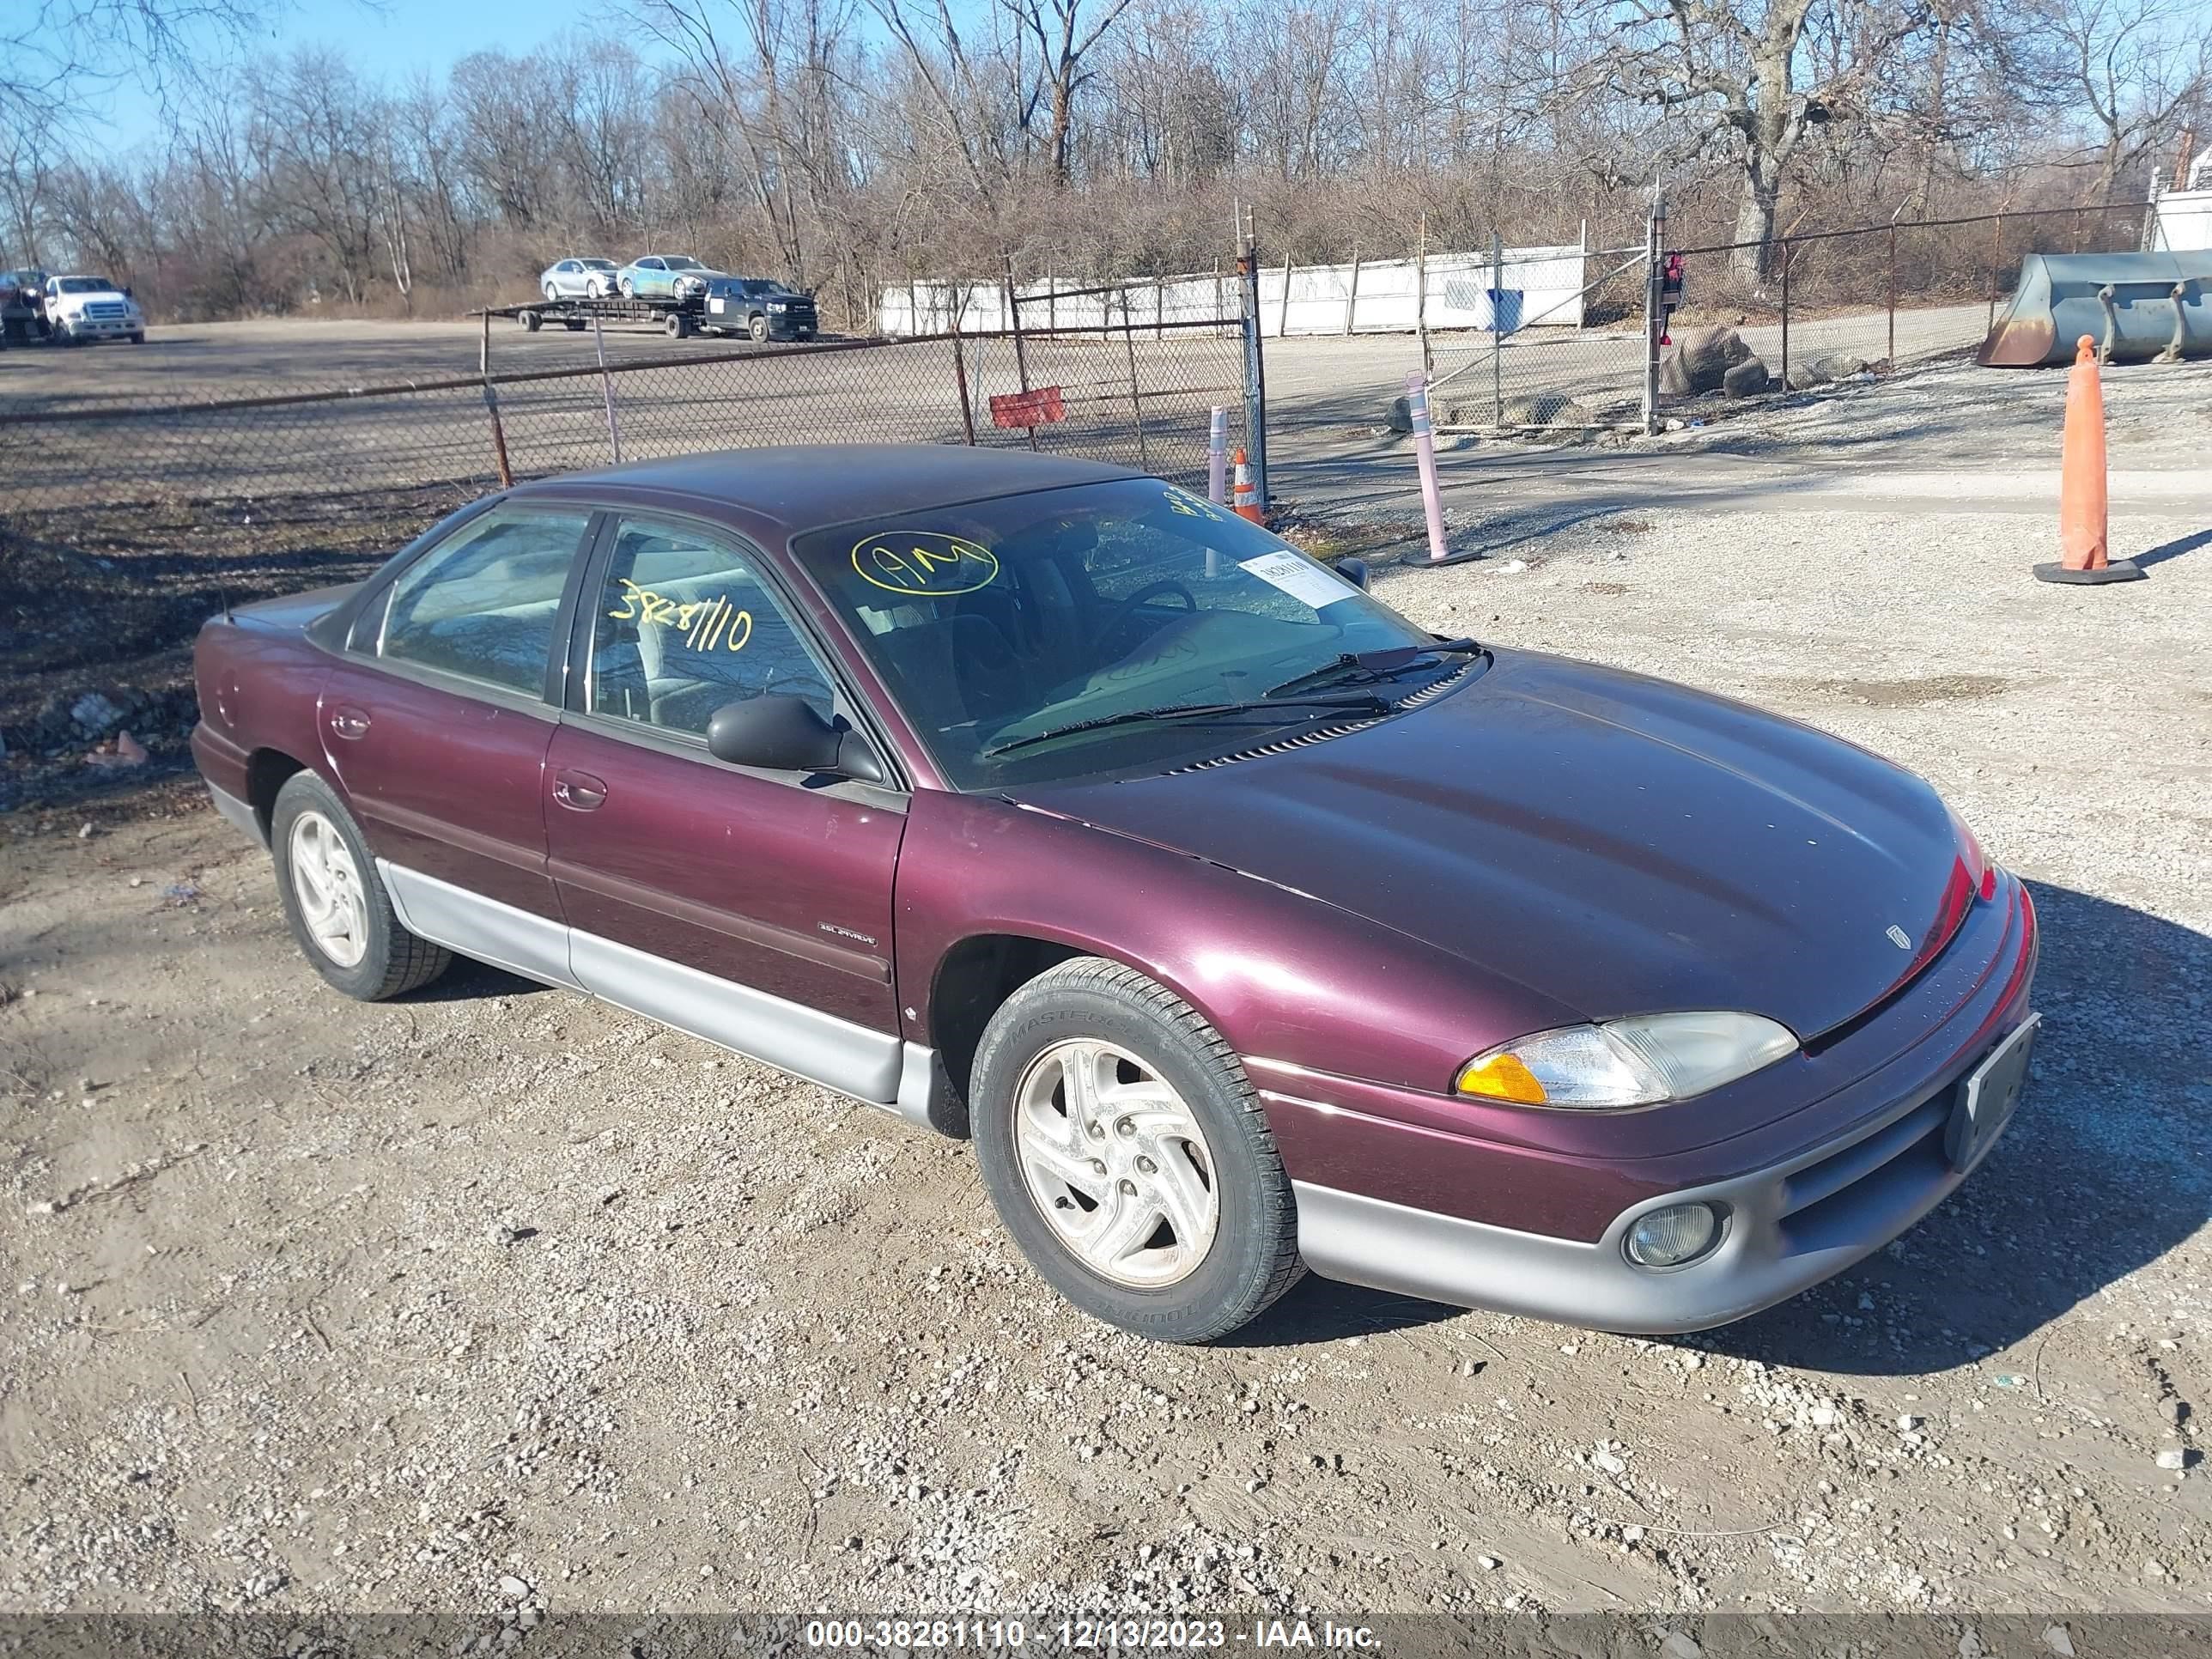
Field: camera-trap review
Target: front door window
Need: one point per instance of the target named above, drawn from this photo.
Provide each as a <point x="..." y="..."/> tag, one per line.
<point x="684" y="625"/>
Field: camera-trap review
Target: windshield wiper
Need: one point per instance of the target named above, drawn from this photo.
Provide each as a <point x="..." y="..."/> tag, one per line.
<point x="1369" y="703"/>
<point x="1360" y="667"/>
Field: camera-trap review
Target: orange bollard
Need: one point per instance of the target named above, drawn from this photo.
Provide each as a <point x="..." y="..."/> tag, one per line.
<point x="2082" y="516"/>
<point x="1248" y="493"/>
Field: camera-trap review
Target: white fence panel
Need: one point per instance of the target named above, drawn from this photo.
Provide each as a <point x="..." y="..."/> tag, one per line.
<point x="1538" y="287"/>
<point x="2184" y="222"/>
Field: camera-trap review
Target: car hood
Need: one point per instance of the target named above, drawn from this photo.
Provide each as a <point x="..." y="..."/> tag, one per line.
<point x="1618" y="843"/>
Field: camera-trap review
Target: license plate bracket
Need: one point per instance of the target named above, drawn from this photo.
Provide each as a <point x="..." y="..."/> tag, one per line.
<point x="1987" y="1096"/>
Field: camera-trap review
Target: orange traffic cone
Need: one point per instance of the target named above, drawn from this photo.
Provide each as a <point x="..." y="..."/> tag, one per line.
<point x="2082" y="519"/>
<point x="1248" y="497"/>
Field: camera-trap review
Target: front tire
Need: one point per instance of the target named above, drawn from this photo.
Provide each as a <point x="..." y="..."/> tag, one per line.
<point x="628" y="289"/>
<point x="340" y="911"/>
<point x="758" y="328"/>
<point x="1127" y="1154"/>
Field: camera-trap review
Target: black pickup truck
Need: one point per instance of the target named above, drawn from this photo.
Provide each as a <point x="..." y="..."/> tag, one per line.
<point x="756" y="305"/>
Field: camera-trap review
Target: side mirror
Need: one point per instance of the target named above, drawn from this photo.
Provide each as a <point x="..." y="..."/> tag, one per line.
<point x="1354" y="571"/>
<point x="784" y="733"/>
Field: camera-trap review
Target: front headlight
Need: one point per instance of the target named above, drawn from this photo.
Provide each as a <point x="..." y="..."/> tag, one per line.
<point x="1638" y="1061"/>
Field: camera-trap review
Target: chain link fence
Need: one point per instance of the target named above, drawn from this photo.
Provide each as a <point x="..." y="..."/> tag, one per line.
<point x="123" y="527"/>
<point x="1823" y="306"/>
<point x="1813" y="306"/>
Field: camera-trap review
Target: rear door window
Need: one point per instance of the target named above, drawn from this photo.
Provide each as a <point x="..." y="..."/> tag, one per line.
<point x="483" y="604"/>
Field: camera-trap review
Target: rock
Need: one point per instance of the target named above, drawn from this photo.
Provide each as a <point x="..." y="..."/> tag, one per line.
<point x="2173" y="1458"/>
<point x="1399" y="417"/>
<point x="1825" y="1417"/>
<point x="1610" y="1462"/>
<point x="1838" y="366"/>
<point x="2174" y="1410"/>
<point x="1907" y="1423"/>
<point x="1544" y="408"/>
<point x="1747" y="379"/>
<point x="513" y="1587"/>
<point x="2154" y="1568"/>
<point x="94" y="713"/>
<point x="1700" y="360"/>
<point x="1488" y="1563"/>
<point x="2056" y="1639"/>
<point x="1679" y="1645"/>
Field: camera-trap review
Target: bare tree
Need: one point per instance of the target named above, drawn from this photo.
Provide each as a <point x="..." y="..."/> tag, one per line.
<point x="2132" y="69"/>
<point x="1737" y="76"/>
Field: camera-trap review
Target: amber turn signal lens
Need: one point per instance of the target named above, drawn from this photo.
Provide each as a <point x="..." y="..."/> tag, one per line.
<point x="1502" y="1076"/>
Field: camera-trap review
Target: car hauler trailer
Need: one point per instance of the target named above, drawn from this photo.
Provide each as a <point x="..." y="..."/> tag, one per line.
<point x="677" y="318"/>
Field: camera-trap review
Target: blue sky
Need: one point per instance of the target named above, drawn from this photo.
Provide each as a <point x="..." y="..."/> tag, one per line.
<point x="388" y="41"/>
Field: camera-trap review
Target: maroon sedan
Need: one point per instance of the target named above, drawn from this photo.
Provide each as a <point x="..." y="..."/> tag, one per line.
<point x="1241" y="922"/>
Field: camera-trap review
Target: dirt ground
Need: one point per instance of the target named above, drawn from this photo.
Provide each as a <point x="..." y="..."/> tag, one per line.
<point x="494" y="1297"/>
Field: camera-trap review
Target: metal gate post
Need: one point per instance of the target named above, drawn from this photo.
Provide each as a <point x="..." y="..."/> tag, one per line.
<point x="607" y="390"/>
<point x="1421" y="298"/>
<point x="1255" y="372"/>
<point x="960" y="377"/>
<point x="1655" y="226"/>
<point x="1785" y="314"/>
<point x="1892" y="294"/>
<point x="491" y="407"/>
<point x="1136" y="399"/>
<point x="1497" y="333"/>
<point x="1021" y="351"/>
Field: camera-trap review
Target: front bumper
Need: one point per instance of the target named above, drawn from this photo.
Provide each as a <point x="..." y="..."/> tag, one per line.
<point x="102" y="328"/>
<point x="1791" y="1221"/>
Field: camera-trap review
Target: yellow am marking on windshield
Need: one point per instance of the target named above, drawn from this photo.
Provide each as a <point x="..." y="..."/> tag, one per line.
<point x="924" y="563"/>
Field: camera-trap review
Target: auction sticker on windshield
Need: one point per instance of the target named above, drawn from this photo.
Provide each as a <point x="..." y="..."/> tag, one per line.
<point x="1308" y="584"/>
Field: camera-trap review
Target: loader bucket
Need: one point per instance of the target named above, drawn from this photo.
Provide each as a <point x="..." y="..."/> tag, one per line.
<point x="2131" y="297"/>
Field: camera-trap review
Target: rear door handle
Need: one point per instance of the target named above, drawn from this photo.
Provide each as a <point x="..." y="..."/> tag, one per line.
<point x="349" y="723"/>
<point x="579" y="791"/>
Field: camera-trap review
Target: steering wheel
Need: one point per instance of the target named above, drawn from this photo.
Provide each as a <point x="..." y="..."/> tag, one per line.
<point x="1121" y="612"/>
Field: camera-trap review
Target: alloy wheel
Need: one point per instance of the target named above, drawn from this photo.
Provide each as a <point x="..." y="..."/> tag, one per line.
<point x="1116" y="1163"/>
<point x="327" y="883"/>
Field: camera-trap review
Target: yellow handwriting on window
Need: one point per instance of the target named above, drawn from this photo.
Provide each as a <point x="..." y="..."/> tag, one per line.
<point x="713" y="624"/>
<point x="925" y="563"/>
<point x="1182" y="502"/>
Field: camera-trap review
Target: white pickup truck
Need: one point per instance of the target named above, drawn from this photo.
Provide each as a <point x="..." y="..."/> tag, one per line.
<point x="81" y="309"/>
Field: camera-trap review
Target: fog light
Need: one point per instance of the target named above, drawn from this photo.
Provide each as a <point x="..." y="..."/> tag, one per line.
<point x="1671" y="1236"/>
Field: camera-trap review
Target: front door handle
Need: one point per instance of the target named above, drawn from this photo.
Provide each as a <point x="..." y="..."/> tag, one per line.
<point x="349" y="723"/>
<point x="579" y="791"/>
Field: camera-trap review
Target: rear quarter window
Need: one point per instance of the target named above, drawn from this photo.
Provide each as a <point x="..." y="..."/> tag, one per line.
<point x="481" y="604"/>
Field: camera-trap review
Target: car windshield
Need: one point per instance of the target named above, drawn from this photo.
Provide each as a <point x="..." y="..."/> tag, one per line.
<point x="677" y="262"/>
<point x="597" y="264"/>
<point x="753" y="289"/>
<point x="1000" y="624"/>
<point x="84" y="285"/>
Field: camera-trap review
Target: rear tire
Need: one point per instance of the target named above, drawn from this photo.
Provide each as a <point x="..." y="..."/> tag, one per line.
<point x="339" y="910"/>
<point x="138" y="339"/>
<point x="1168" y="1128"/>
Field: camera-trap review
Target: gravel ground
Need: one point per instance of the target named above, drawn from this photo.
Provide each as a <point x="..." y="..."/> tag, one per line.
<point x="497" y="1297"/>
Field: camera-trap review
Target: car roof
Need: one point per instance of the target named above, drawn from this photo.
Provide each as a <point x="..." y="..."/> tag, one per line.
<point x="800" y="487"/>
